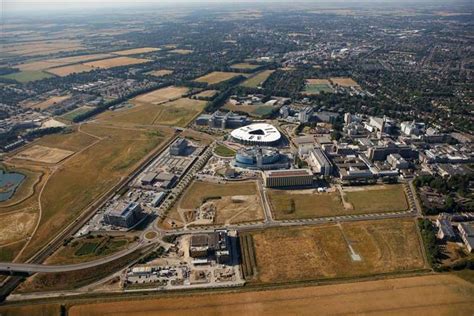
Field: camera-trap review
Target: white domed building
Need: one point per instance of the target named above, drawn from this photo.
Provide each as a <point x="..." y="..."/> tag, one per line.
<point x="261" y="134"/>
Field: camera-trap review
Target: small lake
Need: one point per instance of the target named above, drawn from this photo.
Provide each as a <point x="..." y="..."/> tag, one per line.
<point x="9" y="182"/>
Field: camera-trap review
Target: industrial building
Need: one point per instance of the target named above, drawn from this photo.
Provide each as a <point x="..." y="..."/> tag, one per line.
<point x="320" y="162"/>
<point x="178" y="148"/>
<point x="263" y="158"/>
<point x="123" y="215"/>
<point x="223" y="120"/>
<point x="288" y="178"/>
<point x="257" y="134"/>
<point x="217" y="245"/>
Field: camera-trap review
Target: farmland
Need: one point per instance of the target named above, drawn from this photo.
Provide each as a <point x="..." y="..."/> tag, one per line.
<point x="161" y="72"/>
<point x="244" y="66"/>
<point x="161" y="95"/>
<point x="136" y="51"/>
<point x="115" y="62"/>
<point x="405" y="296"/>
<point x="56" y="62"/>
<point x="67" y="70"/>
<point x="34" y="48"/>
<point x="207" y="94"/>
<point x="217" y="77"/>
<point x="181" y="51"/>
<point x="27" y="76"/>
<point x="335" y="251"/>
<point x="344" y="82"/>
<point x="252" y="110"/>
<point x="257" y="80"/>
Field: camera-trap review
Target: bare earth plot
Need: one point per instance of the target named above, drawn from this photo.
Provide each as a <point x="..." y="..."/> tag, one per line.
<point x="403" y="296"/>
<point x="335" y="251"/>
<point x="217" y="77"/>
<point x="44" y="154"/>
<point x="344" y="82"/>
<point x="116" y="62"/>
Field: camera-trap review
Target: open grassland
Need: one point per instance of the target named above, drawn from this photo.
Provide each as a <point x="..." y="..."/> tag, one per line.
<point x="43" y="154"/>
<point x="344" y="82"/>
<point x="217" y="77"/>
<point x="306" y="205"/>
<point x="27" y="76"/>
<point x="16" y="226"/>
<point x="88" y="249"/>
<point x="402" y="296"/>
<point x="316" y="86"/>
<point x="257" y="80"/>
<point x="224" y="151"/>
<point x="244" y="66"/>
<point x="115" y="62"/>
<point x="71" y="69"/>
<point x="71" y="115"/>
<point x="161" y="95"/>
<point x="74" y="141"/>
<point x="90" y="173"/>
<point x="252" y="110"/>
<point x="135" y="51"/>
<point x="160" y="73"/>
<point x="387" y="198"/>
<point x="337" y="251"/>
<point x="179" y="112"/>
<point x="200" y="191"/>
<point x="49" y="102"/>
<point x="207" y="94"/>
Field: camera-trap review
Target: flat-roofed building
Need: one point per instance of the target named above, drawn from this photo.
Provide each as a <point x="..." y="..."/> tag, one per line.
<point x="466" y="230"/>
<point x="320" y="162"/>
<point x="288" y="178"/>
<point x="445" y="229"/>
<point x="123" y="215"/>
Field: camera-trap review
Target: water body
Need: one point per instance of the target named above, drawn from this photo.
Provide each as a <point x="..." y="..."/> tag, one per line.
<point x="9" y="182"/>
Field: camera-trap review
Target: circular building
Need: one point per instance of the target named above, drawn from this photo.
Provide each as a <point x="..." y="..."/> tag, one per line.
<point x="260" y="158"/>
<point x="256" y="134"/>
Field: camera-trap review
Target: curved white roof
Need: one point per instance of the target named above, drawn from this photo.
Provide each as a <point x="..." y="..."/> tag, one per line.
<point x="259" y="132"/>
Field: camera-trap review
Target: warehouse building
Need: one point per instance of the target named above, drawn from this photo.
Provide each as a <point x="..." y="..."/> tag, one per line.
<point x="123" y="215"/>
<point x="288" y="178"/>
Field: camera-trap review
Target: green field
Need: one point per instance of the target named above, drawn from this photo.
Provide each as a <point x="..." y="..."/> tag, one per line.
<point x="317" y="88"/>
<point x="27" y="76"/>
<point x="70" y="116"/>
<point x="224" y="151"/>
<point x="257" y="80"/>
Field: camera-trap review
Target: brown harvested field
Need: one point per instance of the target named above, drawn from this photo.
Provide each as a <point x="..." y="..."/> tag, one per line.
<point x="401" y="296"/>
<point x="216" y="77"/>
<point x="56" y="62"/>
<point x="161" y="72"/>
<point x="207" y="94"/>
<point x="67" y="70"/>
<point x="43" y="154"/>
<point x="306" y="205"/>
<point x="324" y="252"/>
<point x="161" y="95"/>
<point x="179" y="112"/>
<point x="181" y="51"/>
<point x="16" y="226"/>
<point x="116" y="62"/>
<point x="344" y="82"/>
<point x="37" y="310"/>
<point x="318" y="81"/>
<point x="380" y="198"/>
<point x="244" y="66"/>
<point x="135" y="51"/>
<point x="49" y="102"/>
<point x="90" y="173"/>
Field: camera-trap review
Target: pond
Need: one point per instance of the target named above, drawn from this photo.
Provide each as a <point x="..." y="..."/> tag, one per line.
<point x="9" y="182"/>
